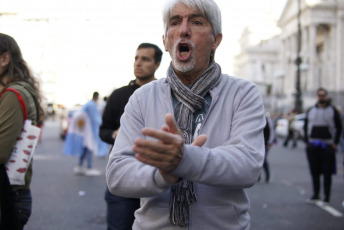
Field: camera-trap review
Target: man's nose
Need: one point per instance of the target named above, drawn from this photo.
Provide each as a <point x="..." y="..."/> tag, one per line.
<point x="184" y="30"/>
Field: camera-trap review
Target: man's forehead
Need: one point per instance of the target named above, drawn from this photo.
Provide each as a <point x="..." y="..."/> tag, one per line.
<point x="182" y="10"/>
<point x="147" y="51"/>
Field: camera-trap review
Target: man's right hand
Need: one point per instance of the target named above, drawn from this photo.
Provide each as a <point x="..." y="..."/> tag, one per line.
<point x="199" y="141"/>
<point x="172" y="179"/>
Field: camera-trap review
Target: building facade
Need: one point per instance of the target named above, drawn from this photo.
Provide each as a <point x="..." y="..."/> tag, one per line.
<point x="272" y="63"/>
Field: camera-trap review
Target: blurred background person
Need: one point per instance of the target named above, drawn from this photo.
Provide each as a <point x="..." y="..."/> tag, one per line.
<point x="291" y="135"/>
<point x="322" y="130"/>
<point x="83" y="137"/>
<point x="102" y="105"/>
<point x="120" y="210"/>
<point x="269" y="140"/>
<point x="15" y="74"/>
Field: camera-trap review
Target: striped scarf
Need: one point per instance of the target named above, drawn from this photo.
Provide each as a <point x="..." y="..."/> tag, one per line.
<point x="190" y="99"/>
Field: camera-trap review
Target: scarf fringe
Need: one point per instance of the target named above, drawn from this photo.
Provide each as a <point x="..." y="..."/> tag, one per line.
<point x="182" y="195"/>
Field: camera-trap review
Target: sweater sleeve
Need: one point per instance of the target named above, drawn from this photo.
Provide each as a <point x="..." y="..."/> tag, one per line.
<point x="11" y="123"/>
<point x="236" y="163"/>
<point x="125" y="175"/>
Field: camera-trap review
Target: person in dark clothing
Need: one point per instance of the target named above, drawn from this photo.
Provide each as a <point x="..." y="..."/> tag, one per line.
<point x="120" y="210"/>
<point x="269" y="136"/>
<point x="322" y="132"/>
<point x="291" y="132"/>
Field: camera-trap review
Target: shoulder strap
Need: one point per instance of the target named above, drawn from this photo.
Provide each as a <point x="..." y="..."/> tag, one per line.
<point x="20" y="99"/>
<point x="34" y="98"/>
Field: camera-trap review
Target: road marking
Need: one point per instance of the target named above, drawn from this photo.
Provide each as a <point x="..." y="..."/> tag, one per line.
<point x="44" y="157"/>
<point x="334" y="212"/>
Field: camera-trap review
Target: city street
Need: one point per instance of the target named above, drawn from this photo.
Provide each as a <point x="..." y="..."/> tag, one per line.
<point x="64" y="201"/>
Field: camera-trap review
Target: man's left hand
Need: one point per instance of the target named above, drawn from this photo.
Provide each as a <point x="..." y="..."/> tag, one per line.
<point x="167" y="152"/>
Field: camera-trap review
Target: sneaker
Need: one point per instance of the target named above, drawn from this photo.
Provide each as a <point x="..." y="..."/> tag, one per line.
<point x="92" y="172"/>
<point x="312" y="200"/>
<point x="79" y="170"/>
<point x="326" y="201"/>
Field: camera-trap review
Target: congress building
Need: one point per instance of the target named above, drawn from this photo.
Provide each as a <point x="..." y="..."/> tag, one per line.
<point x="308" y="53"/>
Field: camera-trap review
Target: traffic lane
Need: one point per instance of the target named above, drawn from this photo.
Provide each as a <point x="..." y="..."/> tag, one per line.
<point x="280" y="204"/>
<point x="61" y="199"/>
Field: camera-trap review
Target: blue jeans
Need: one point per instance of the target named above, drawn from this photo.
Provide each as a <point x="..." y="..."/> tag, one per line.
<point x="22" y="205"/>
<point x="86" y="154"/>
<point x="120" y="211"/>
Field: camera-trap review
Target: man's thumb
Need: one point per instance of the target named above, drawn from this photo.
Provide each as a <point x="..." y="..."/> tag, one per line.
<point x="200" y="140"/>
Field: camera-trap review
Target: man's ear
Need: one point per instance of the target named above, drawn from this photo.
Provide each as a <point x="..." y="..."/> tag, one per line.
<point x="5" y="59"/>
<point x="217" y="41"/>
<point x="156" y="66"/>
<point x="164" y="41"/>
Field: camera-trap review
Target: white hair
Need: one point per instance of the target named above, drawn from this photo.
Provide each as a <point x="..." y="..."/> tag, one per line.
<point x="207" y="7"/>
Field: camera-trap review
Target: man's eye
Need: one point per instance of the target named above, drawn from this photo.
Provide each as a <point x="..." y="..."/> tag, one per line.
<point x="174" y="23"/>
<point x="197" y="23"/>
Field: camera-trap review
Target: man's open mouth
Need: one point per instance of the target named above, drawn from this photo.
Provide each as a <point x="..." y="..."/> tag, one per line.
<point x="183" y="51"/>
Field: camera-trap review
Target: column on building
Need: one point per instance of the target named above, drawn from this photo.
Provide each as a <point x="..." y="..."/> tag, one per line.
<point x="305" y="59"/>
<point x="290" y="66"/>
<point x="331" y="56"/>
<point x="312" y="57"/>
<point x="286" y="64"/>
<point x="292" y="72"/>
<point x="340" y="51"/>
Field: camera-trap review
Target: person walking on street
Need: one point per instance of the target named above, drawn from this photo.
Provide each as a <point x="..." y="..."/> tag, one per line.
<point x="83" y="137"/>
<point x="269" y="138"/>
<point x="322" y="130"/>
<point x="190" y="143"/>
<point x="16" y="204"/>
<point x="291" y="132"/>
<point x="120" y="210"/>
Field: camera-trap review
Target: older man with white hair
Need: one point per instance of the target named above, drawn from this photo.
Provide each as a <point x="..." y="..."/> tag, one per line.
<point x="190" y="143"/>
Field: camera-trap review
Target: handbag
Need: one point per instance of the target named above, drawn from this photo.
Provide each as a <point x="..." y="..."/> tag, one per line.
<point x="24" y="148"/>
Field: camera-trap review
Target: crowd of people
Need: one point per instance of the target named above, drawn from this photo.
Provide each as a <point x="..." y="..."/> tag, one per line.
<point x="178" y="146"/>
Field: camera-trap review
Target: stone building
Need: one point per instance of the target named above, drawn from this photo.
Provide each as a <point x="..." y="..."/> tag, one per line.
<point x="271" y="64"/>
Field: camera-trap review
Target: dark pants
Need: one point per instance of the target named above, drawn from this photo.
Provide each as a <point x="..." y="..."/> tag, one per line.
<point x="22" y="207"/>
<point x="291" y="136"/>
<point x="266" y="166"/>
<point x="120" y="211"/>
<point x="322" y="161"/>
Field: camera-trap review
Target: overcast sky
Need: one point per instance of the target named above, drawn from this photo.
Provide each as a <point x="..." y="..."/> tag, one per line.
<point x="96" y="40"/>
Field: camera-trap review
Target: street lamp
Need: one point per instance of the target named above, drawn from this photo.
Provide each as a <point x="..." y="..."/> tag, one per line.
<point x="298" y="61"/>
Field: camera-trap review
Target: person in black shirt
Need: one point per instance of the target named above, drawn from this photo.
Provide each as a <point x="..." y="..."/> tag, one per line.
<point x="269" y="138"/>
<point x="120" y="210"/>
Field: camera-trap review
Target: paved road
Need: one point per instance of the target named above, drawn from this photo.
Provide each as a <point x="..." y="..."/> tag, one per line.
<point x="64" y="201"/>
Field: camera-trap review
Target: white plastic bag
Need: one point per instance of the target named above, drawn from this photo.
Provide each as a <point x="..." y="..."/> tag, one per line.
<point x="22" y="153"/>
